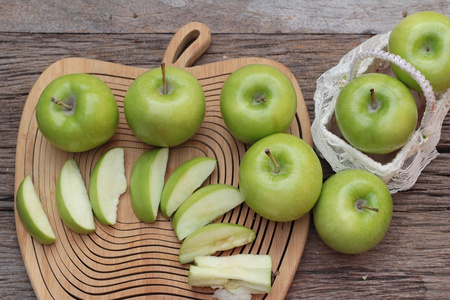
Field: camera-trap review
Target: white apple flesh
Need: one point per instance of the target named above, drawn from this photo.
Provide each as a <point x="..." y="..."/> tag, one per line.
<point x="212" y="238"/>
<point x="106" y="184"/>
<point x="253" y="273"/>
<point x="184" y="181"/>
<point x="204" y="206"/>
<point x="72" y="199"/>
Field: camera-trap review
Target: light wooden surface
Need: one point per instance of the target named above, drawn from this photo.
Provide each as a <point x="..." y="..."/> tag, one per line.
<point x="309" y="37"/>
<point x="109" y="262"/>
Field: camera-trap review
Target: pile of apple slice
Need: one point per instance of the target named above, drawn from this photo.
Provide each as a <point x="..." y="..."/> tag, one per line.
<point x="75" y="207"/>
<point x="192" y="208"/>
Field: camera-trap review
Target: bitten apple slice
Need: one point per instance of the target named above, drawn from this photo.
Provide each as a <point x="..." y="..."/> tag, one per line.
<point x="72" y="199"/>
<point x="184" y="181"/>
<point x="106" y="184"/>
<point x="31" y="213"/>
<point x="204" y="206"/>
<point x="146" y="183"/>
<point x="214" y="237"/>
<point x="244" y="272"/>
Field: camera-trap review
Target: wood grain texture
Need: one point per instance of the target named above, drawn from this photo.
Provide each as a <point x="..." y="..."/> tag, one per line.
<point x="411" y="263"/>
<point x="250" y="16"/>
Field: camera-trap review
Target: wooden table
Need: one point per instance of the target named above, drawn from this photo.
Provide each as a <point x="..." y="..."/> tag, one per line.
<point x="309" y="37"/>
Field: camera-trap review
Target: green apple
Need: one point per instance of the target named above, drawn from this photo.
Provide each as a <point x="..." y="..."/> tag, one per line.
<point x="256" y="101"/>
<point x="214" y="237"/>
<point x="72" y="199"/>
<point x="353" y="212"/>
<point x="106" y="184"/>
<point x="165" y="110"/>
<point x="204" y="206"/>
<point x="245" y="272"/>
<point x="32" y="214"/>
<point x="423" y="40"/>
<point x="147" y="182"/>
<point x="376" y="113"/>
<point x="280" y="177"/>
<point x="77" y="112"/>
<point x="184" y="181"/>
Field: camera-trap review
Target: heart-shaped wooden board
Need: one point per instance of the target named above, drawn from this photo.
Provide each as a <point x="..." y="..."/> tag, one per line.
<point x="135" y="259"/>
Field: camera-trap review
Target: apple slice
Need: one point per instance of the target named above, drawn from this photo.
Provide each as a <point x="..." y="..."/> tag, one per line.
<point x="242" y="260"/>
<point x="247" y="272"/>
<point x="147" y="182"/>
<point x="106" y="184"/>
<point x="184" y="181"/>
<point x="31" y="213"/>
<point x="72" y="199"/>
<point x="204" y="206"/>
<point x="212" y="238"/>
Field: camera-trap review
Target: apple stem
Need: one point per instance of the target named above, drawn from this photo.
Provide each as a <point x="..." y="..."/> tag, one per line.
<point x="367" y="207"/>
<point x="277" y="167"/>
<point x="163" y="70"/>
<point x="60" y="103"/>
<point x="372" y="94"/>
<point x="260" y="99"/>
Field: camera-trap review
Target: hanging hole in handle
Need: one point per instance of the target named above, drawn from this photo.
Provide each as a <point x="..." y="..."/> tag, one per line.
<point x="185" y="43"/>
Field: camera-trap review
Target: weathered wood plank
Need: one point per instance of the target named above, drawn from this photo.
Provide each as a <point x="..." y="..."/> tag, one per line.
<point x="24" y="57"/>
<point x="411" y="260"/>
<point x="250" y="16"/>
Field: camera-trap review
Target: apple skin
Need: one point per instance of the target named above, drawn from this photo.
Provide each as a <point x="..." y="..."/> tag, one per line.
<point x="384" y="129"/>
<point x="165" y="120"/>
<point x="423" y="40"/>
<point x="288" y="194"/>
<point x="249" y="120"/>
<point x="340" y="224"/>
<point x="147" y="182"/>
<point x="32" y="214"/>
<point x="92" y="122"/>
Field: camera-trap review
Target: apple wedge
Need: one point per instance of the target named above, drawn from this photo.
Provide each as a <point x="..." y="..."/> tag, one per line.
<point x="106" y="184"/>
<point x="212" y="238"/>
<point x="31" y="213"/>
<point x="72" y="199"/>
<point x="241" y="260"/>
<point x="204" y="206"/>
<point x="246" y="272"/>
<point x="184" y="181"/>
<point x="147" y="182"/>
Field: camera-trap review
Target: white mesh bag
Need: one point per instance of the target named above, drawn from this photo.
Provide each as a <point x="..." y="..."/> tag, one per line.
<point x="399" y="170"/>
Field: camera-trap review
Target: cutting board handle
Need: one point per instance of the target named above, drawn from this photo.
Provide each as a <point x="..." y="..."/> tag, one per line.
<point x="187" y="45"/>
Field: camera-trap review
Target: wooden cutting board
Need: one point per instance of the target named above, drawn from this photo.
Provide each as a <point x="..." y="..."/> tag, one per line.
<point x="134" y="259"/>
